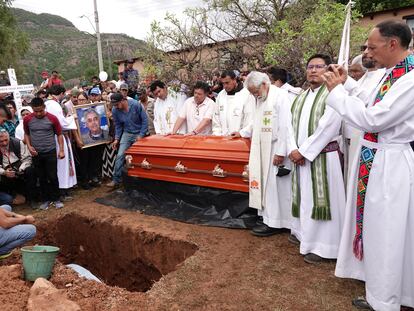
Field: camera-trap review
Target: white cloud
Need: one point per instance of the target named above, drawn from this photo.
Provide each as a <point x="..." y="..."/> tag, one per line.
<point x="121" y="16"/>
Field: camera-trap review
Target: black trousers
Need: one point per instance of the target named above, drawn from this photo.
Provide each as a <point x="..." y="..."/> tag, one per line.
<point x="91" y="162"/>
<point x="24" y="184"/>
<point x="46" y="169"/>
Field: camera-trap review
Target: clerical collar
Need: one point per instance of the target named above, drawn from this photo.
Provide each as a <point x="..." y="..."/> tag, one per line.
<point x="238" y="88"/>
<point x="97" y="137"/>
<point x="315" y="90"/>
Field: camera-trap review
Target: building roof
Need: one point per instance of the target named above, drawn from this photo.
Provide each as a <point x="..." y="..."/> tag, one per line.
<point x="121" y="61"/>
<point x="394" y="10"/>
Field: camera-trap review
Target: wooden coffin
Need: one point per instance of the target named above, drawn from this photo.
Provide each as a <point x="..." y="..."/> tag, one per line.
<point x="208" y="161"/>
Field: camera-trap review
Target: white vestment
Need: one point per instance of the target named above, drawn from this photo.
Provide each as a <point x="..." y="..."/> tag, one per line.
<point x="388" y="230"/>
<point x="293" y="92"/>
<point x="270" y="202"/>
<point x="167" y="111"/>
<point x="320" y="237"/>
<point x="232" y="112"/>
<point x="363" y="89"/>
<point x="64" y="165"/>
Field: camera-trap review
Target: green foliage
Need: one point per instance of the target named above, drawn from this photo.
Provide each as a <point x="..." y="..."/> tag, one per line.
<point x="13" y="42"/>
<point x="296" y="38"/>
<point x="368" y="6"/>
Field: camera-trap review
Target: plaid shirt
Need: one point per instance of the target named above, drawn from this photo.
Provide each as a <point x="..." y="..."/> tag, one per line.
<point x="9" y="126"/>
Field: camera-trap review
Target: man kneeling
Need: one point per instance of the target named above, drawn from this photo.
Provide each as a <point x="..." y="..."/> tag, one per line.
<point x="15" y="230"/>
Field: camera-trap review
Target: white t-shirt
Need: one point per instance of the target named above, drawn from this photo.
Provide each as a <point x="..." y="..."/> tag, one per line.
<point x="194" y="114"/>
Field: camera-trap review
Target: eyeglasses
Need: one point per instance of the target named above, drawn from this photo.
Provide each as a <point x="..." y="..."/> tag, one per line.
<point x="81" y="99"/>
<point x="363" y="47"/>
<point x="197" y="110"/>
<point x="316" y="67"/>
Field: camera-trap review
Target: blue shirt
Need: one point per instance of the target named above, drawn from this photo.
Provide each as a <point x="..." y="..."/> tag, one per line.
<point x="133" y="121"/>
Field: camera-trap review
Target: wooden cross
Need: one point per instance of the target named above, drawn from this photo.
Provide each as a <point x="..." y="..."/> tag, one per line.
<point x="15" y="88"/>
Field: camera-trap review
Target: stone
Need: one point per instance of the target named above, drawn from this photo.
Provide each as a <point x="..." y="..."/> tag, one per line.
<point x="44" y="296"/>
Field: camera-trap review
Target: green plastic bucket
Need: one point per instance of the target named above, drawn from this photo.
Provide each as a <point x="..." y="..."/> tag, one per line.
<point x="38" y="261"/>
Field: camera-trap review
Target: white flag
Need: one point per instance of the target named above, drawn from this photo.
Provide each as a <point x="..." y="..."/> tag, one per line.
<point x="343" y="56"/>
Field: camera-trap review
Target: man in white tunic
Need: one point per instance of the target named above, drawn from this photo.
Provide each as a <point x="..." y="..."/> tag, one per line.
<point x="66" y="166"/>
<point x="197" y="112"/>
<point x="377" y="244"/>
<point x="318" y="192"/>
<point x="279" y="78"/>
<point x="233" y="108"/>
<point x="167" y="107"/>
<point x="363" y="87"/>
<point x="268" y="148"/>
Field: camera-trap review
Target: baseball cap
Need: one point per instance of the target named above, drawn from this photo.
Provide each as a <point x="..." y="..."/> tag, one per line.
<point x="2" y="72"/>
<point x="74" y="92"/>
<point x="123" y="86"/>
<point x="45" y="73"/>
<point x="95" y="91"/>
<point x="130" y="61"/>
<point x="116" y="98"/>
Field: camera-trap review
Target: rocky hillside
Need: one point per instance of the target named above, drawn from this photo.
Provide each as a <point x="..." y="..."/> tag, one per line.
<point x="56" y="44"/>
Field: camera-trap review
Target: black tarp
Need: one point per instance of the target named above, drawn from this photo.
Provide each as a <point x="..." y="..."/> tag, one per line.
<point x="186" y="203"/>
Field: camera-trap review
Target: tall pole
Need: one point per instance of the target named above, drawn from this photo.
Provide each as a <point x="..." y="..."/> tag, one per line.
<point x="109" y="59"/>
<point x="98" y="37"/>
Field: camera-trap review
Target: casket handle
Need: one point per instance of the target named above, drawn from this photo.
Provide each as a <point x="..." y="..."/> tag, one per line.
<point x="245" y="174"/>
<point x="180" y="168"/>
<point x="145" y="164"/>
<point x="128" y="160"/>
<point x="219" y="172"/>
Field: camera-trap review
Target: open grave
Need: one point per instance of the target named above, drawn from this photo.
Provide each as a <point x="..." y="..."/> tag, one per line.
<point x="121" y="256"/>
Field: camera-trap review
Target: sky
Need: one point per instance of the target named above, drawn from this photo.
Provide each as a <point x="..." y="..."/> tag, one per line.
<point x="132" y="17"/>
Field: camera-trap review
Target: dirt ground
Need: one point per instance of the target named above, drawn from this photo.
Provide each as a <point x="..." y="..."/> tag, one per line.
<point x="224" y="269"/>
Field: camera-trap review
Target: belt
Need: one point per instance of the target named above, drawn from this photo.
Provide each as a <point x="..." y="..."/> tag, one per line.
<point x="331" y="147"/>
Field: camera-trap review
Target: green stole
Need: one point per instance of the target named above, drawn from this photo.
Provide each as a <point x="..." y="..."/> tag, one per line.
<point x="321" y="205"/>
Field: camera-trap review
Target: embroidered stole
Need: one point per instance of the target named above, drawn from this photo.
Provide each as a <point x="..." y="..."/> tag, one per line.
<point x="321" y="205"/>
<point x="367" y="154"/>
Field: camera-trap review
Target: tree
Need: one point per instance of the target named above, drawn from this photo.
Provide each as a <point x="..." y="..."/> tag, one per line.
<point x="14" y="43"/>
<point x="368" y="6"/>
<point x="298" y="36"/>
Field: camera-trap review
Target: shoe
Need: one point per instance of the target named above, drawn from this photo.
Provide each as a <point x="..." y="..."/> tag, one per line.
<point x="361" y="303"/>
<point x="293" y="239"/>
<point x="95" y="182"/>
<point x="86" y="186"/>
<point x="112" y="184"/>
<point x="264" y="230"/>
<point x="58" y="204"/>
<point x="67" y="198"/>
<point x="4" y="256"/>
<point x="313" y="258"/>
<point x="44" y="206"/>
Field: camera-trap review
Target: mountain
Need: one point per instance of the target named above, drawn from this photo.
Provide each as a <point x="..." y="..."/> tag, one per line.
<point x="56" y="44"/>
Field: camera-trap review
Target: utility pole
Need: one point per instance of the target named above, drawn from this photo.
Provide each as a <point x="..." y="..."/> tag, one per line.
<point x="109" y="59"/>
<point x="98" y="36"/>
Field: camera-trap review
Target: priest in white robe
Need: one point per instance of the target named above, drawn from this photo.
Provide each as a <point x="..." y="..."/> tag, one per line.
<point x="318" y="192"/>
<point x="279" y="78"/>
<point x="66" y="166"/>
<point x="233" y="108"/>
<point x="377" y="244"/>
<point x="268" y="149"/>
<point x="167" y="107"/>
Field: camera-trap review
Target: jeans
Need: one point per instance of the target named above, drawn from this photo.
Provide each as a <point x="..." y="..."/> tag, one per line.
<point x="46" y="169"/>
<point x="24" y="184"/>
<point x="5" y="198"/>
<point x="127" y="140"/>
<point x="15" y="236"/>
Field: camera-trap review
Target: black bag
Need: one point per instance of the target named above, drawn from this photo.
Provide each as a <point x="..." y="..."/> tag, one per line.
<point x="283" y="171"/>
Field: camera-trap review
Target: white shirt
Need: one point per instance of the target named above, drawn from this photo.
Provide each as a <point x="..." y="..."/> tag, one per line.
<point x="194" y="114"/>
<point x="166" y="112"/>
<point x="293" y="92"/>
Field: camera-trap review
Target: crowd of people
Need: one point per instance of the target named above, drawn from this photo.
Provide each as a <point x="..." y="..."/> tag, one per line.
<point x="313" y="151"/>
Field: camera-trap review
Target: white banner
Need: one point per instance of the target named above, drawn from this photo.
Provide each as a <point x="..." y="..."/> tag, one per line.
<point x="11" y="89"/>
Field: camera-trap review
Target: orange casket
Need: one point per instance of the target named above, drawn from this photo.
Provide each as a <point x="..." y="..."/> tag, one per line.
<point x="209" y="161"/>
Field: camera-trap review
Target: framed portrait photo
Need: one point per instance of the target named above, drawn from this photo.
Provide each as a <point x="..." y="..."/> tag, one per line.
<point x="93" y="124"/>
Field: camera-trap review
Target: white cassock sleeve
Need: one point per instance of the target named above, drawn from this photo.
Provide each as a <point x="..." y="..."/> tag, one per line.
<point x="157" y="112"/>
<point x="67" y="123"/>
<point x="248" y="112"/>
<point x="394" y="108"/>
<point x="216" y="123"/>
<point x="328" y="128"/>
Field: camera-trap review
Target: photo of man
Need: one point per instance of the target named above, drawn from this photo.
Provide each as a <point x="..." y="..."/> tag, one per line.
<point x="93" y="125"/>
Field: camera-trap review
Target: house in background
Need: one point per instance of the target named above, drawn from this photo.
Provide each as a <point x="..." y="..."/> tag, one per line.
<point x="404" y="13"/>
<point x="138" y="64"/>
